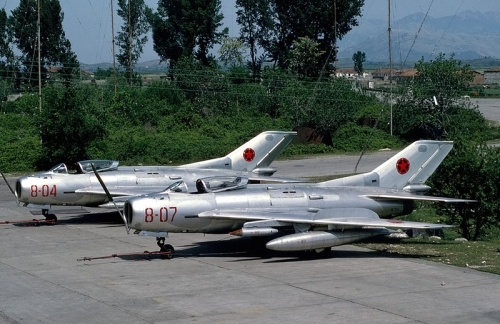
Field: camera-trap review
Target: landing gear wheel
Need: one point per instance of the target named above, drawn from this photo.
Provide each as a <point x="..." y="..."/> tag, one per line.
<point x="51" y="218"/>
<point x="322" y="253"/>
<point x="317" y="253"/>
<point x="167" y="250"/>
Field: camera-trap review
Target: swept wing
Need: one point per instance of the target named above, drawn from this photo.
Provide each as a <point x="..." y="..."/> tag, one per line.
<point x="407" y="196"/>
<point x="343" y="217"/>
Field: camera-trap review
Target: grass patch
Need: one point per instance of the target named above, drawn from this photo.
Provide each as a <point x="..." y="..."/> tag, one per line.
<point x="478" y="255"/>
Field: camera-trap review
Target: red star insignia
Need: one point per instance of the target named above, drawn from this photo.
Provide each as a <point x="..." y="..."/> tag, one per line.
<point x="403" y="166"/>
<point x="249" y="154"/>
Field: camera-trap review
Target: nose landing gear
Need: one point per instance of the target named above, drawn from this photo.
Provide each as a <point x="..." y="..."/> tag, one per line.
<point x="167" y="251"/>
<point x="51" y="218"/>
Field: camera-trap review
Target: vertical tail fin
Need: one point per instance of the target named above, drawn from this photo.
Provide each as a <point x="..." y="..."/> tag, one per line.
<point x="408" y="169"/>
<point x="255" y="155"/>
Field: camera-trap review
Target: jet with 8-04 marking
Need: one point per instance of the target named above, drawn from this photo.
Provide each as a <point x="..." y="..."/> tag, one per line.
<point x="298" y="217"/>
<point x="59" y="187"/>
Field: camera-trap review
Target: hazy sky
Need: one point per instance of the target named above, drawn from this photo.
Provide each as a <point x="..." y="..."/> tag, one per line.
<point x="87" y="23"/>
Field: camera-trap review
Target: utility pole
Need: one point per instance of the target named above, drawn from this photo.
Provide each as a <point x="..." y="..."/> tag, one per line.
<point x="113" y="42"/>
<point x="129" y="45"/>
<point x="335" y="33"/>
<point x="390" y="58"/>
<point x="39" y="60"/>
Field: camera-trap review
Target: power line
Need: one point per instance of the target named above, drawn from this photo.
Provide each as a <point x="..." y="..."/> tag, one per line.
<point x="446" y="29"/>
<point x="418" y="31"/>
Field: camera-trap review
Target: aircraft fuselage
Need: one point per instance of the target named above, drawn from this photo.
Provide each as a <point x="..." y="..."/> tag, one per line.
<point x="178" y="212"/>
<point x="85" y="190"/>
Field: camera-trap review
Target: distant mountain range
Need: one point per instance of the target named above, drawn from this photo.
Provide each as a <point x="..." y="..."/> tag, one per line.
<point x="142" y="67"/>
<point x="469" y="35"/>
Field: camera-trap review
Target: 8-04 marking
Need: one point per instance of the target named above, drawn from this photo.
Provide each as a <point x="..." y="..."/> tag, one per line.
<point x="164" y="213"/>
<point x="44" y="190"/>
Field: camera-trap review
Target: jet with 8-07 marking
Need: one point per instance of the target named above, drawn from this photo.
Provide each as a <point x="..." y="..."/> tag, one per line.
<point x="59" y="187"/>
<point x="298" y="217"/>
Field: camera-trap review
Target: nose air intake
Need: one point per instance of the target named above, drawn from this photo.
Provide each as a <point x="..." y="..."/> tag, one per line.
<point x="128" y="212"/>
<point x="18" y="190"/>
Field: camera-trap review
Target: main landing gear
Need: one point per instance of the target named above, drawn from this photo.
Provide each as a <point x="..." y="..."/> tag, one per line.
<point x="317" y="253"/>
<point x="51" y="218"/>
<point x="167" y="250"/>
<point x="322" y="253"/>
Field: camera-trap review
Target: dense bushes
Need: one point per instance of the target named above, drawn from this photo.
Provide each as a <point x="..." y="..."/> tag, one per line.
<point x="194" y="115"/>
<point x="197" y="113"/>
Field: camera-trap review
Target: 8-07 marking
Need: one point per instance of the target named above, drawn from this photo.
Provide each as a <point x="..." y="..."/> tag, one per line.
<point x="165" y="213"/>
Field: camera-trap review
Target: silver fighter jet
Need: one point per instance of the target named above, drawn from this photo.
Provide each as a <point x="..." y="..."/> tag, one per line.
<point x="298" y="217"/>
<point x="59" y="187"/>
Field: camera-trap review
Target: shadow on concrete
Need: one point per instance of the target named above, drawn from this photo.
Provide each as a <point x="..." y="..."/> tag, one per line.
<point x="243" y="250"/>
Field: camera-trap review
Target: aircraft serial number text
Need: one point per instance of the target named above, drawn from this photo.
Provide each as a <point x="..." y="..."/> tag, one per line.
<point x="45" y="191"/>
<point x="164" y="213"/>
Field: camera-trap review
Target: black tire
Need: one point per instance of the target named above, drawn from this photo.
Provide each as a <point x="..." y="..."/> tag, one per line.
<point x="51" y="218"/>
<point x="167" y="251"/>
<point x="322" y="253"/>
<point x="316" y="254"/>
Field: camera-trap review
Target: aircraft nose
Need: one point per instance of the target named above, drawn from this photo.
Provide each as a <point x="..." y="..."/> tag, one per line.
<point x="128" y="213"/>
<point x="19" y="188"/>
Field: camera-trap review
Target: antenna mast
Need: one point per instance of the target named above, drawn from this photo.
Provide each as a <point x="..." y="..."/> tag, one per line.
<point x="390" y="58"/>
<point x="129" y="45"/>
<point x="335" y="33"/>
<point x="39" y="60"/>
<point x="113" y="42"/>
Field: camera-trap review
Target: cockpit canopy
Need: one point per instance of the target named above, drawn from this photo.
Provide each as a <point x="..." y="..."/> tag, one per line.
<point x="178" y="186"/>
<point x="100" y="165"/>
<point x="60" y="168"/>
<point x="86" y="166"/>
<point x="217" y="184"/>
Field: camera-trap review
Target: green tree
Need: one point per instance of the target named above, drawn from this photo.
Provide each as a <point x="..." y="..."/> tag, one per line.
<point x="471" y="172"/>
<point x="232" y="52"/>
<point x="304" y="55"/>
<point x="416" y="115"/>
<point x="255" y="21"/>
<point x="322" y="105"/>
<point x="187" y="28"/>
<point x="205" y="87"/>
<point x="314" y="19"/>
<point x="7" y="64"/>
<point x="132" y="37"/>
<point x="6" y="53"/>
<point x="71" y="120"/>
<point x="55" y="49"/>
<point x="358" y="59"/>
